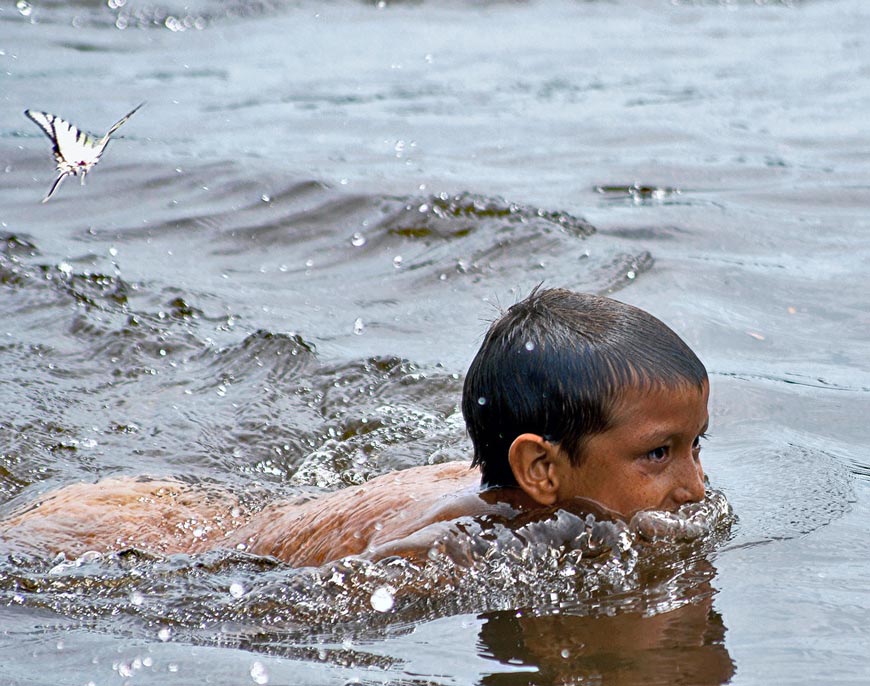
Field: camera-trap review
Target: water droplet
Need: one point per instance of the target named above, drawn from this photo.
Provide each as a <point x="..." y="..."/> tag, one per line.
<point x="423" y="209"/>
<point x="65" y="268"/>
<point x="357" y="240"/>
<point x="565" y="653"/>
<point x="631" y="274"/>
<point x="265" y="198"/>
<point x="136" y="598"/>
<point x="397" y="261"/>
<point x="164" y="634"/>
<point x="358" y="326"/>
<point x="24" y="7"/>
<point x="382" y="599"/>
<point x="530" y="346"/>
<point x="481" y="400"/>
<point x="173" y="24"/>
<point x="237" y="590"/>
<point x="259" y="673"/>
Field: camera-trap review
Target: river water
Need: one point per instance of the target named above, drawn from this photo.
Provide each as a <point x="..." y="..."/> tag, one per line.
<point x="277" y="275"/>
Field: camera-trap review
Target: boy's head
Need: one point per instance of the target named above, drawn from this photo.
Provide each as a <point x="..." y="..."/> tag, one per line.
<point x="561" y="366"/>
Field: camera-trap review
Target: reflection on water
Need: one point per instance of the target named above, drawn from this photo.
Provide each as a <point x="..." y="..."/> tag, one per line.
<point x="681" y="646"/>
<point x="661" y="628"/>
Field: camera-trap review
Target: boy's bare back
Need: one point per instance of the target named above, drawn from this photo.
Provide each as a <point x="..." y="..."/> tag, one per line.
<point x="397" y="513"/>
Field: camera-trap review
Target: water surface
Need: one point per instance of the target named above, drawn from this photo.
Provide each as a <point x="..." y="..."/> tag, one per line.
<point x="277" y="275"/>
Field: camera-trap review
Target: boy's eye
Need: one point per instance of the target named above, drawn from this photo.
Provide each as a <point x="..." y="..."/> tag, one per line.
<point x="696" y="444"/>
<point x="658" y="454"/>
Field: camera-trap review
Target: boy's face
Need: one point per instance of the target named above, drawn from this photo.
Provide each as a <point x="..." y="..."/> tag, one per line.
<point x="649" y="458"/>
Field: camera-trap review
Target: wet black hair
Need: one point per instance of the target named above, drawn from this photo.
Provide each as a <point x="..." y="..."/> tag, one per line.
<point x="554" y="365"/>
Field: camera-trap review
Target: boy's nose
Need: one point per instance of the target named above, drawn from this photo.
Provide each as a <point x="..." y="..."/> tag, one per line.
<point x="691" y="489"/>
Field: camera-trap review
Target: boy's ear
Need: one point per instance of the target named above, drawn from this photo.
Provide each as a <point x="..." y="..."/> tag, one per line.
<point x="533" y="462"/>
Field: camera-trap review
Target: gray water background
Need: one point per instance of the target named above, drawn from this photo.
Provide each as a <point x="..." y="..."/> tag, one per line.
<point x="279" y="194"/>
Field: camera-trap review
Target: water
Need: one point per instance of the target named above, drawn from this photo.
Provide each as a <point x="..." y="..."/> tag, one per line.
<point x="277" y="275"/>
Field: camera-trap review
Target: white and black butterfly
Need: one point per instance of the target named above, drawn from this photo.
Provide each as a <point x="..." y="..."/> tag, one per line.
<point x="75" y="151"/>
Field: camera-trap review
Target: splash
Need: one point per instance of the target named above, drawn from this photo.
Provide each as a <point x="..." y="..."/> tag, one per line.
<point x="558" y="561"/>
<point x="691" y="522"/>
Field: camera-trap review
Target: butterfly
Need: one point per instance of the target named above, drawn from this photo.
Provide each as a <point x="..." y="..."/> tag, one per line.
<point x="75" y="151"/>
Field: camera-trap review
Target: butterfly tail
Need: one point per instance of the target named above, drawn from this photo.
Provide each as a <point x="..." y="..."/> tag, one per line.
<point x="55" y="185"/>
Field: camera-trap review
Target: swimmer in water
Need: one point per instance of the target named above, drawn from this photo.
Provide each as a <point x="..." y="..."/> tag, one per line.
<point x="573" y="400"/>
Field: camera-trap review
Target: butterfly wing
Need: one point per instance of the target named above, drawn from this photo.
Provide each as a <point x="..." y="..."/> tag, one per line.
<point x="45" y="121"/>
<point x="76" y="147"/>
<point x="74" y="150"/>
<point x="104" y="141"/>
<point x="118" y="123"/>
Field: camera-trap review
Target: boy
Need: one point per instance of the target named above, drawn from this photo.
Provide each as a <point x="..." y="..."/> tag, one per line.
<point x="571" y="398"/>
